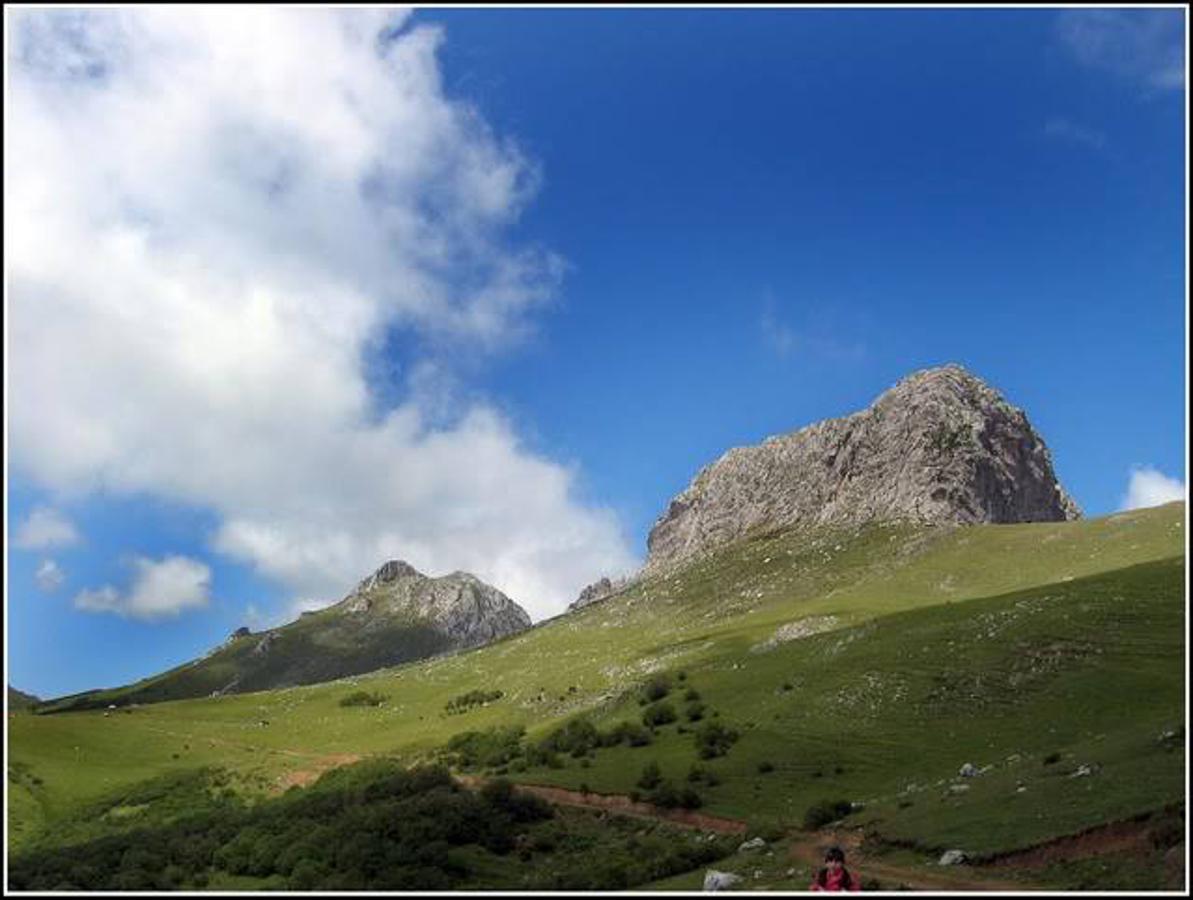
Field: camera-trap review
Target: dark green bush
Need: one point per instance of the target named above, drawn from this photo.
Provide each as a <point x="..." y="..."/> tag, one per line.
<point x="658" y="714"/>
<point x="656" y="688"/>
<point x="577" y="737"/>
<point x="651" y="776"/>
<point x="820" y="814"/>
<point x="464" y="702"/>
<point x="363" y="698"/>
<point x="714" y="739"/>
<point x="492" y="747"/>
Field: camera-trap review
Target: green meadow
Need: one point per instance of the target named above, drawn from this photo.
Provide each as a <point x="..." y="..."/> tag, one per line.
<point x="861" y="667"/>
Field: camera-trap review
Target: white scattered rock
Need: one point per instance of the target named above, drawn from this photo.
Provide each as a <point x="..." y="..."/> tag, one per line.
<point x="958" y="788"/>
<point x="752" y="844"/>
<point x="719" y="881"/>
<point x="953" y="858"/>
<point x="968" y="771"/>
<point x="1083" y="771"/>
<point x="757" y="874"/>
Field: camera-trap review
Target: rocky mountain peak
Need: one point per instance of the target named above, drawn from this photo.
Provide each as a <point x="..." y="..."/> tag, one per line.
<point x="940" y="446"/>
<point x="466" y="610"/>
<point x="393" y="570"/>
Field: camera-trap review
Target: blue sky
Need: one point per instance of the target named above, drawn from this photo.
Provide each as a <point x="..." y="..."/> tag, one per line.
<point x="487" y="293"/>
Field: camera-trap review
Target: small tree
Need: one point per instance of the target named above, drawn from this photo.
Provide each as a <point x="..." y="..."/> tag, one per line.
<point x="651" y="776"/>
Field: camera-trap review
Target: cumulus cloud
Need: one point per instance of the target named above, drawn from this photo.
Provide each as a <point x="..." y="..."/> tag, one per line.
<point x="1144" y="45"/>
<point x="1064" y="129"/>
<point x="1150" y="487"/>
<point x="161" y="589"/>
<point x="265" y="194"/>
<point x="49" y="576"/>
<point x="46" y="527"/>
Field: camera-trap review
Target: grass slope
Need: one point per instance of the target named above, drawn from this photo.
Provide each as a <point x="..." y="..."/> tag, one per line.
<point x="865" y="666"/>
<point x="317" y="647"/>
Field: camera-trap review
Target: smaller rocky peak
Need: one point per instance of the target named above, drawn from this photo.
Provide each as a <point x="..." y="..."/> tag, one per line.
<point x="242" y="631"/>
<point x="394" y="570"/>
<point x="594" y="593"/>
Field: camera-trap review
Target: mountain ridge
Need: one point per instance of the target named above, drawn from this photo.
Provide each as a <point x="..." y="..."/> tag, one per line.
<point x="395" y="615"/>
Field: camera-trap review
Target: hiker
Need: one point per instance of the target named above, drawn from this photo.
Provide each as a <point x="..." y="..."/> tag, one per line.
<point x="833" y="876"/>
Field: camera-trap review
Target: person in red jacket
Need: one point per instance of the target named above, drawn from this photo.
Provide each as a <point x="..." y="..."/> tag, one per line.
<point x="833" y="876"/>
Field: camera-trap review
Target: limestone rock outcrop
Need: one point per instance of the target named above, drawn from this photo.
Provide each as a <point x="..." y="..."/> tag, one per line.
<point x="941" y="446"/>
<point x="460" y="606"/>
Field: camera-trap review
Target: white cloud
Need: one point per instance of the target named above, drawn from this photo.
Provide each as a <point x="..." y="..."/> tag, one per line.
<point x="1067" y="130"/>
<point x="49" y="576"/>
<point x="1150" y="487"/>
<point x="263" y="194"/>
<point x="785" y="341"/>
<point x="1145" y="45"/>
<point x="46" y="527"/>
<point x="161" y="589"/>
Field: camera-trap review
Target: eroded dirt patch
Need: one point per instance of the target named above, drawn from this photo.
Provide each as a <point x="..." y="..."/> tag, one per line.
<point x="308" y="775"/>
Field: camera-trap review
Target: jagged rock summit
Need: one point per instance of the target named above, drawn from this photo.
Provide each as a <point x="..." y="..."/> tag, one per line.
<point x="941" y="446"/>
<point x="463" y="608"/>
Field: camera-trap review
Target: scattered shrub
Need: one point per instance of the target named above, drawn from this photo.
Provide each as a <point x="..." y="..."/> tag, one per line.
<point x="664" y="795"/>
<point x="714" y="739"/>
<point x="363" y="698"/>
<point x="694" y="712"/>
<point x="630" y="733"/>
<point x="651" y="776"/>
<point x="658" y="714"/>
<point x="657" y="688"/>
<point x="577" y="737"/>
<point x="1051" y="758"/>
<point x="820" y="814"/>
<point x="765" y="766"/>
<point x="464" y="702"/>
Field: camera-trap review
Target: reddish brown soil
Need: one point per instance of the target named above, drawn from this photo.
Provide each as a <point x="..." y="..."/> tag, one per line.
<point x="303" y="777"/>
<point x="1115" y="837"/>
<point x="809" y="850"/>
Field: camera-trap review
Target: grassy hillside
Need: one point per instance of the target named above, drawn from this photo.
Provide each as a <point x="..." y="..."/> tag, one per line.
<point x="18" y="700"/>
<point x="864" y="666"/>
<point x="318" y="647"/>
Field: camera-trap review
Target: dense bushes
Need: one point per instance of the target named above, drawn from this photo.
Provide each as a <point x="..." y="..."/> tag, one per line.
<point x="494" y="748"/>
<point x="374" y="827"/>
<point x="491" y="748"/>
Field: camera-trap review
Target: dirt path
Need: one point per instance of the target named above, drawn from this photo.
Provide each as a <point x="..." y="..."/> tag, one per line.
<point x="622" y="805"/>
<point x="807" y="848"/>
